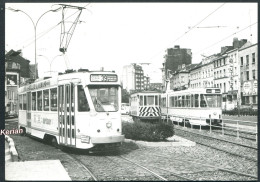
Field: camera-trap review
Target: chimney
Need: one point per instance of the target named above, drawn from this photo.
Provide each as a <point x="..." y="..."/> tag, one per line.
<point x="235" y="43"/>
<point x="177" y="47"/>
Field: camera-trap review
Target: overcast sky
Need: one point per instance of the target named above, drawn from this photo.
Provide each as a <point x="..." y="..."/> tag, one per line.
<point x="112" y="35"/>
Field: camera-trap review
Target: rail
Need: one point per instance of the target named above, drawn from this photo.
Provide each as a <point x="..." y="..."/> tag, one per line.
<point x="237" y="126"/>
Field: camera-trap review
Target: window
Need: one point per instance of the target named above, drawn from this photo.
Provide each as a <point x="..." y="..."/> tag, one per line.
<point x="24" y="102"/>
<point x="196" y="100"/>
<point x="242" y="76"/>
<point x="224" y="60"/>
<point x="202" y="101"/>
<point x="246" y="99"/>
<point x="247" y="60"/>
<point x="83" y="105"/>
<point x="20" y="102"/>
<point x="33" y="101"/>
<point x="183" y="101"/>
<point x="171" y="101"/>
<point x="54" y="99"/>
<point x="253" y="58"/>
<point x="46" y="104"/>
<point x="150" y="100"/>
<point x="247" y="75"/>
<point x="224" y="72"/>
<point x="254" y="99"/>
<point x="253" y="73"/>
<point x="141" y="101"/>
<point x="187" y="100"/>
<point x="39" y="100"/>
<point x="241" y="61"/>
<point x="104" y="97"/>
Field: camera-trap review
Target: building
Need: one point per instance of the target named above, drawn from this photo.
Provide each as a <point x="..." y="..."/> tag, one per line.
<point x="226" y="74"/>
<point x="175" y="57"/>
<point x="248" y="63"/>
<point x="180" y="79"/>
<point x="17" y="71"/>
<point x="156" y="86"/>
<point x="195" y="76"/>
<point x="133" y="78"/>
<point x="146" y="82"/>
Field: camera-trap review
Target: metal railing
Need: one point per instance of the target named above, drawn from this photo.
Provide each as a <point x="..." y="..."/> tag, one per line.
<point x="237" y="126"/>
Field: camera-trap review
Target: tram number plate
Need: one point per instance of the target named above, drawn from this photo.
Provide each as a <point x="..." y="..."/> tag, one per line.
<point x="103" y="78"/>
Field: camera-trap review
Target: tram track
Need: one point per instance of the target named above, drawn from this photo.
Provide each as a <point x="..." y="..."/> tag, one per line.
<point x="205" y="141"/>
<point x="187" y="176"/>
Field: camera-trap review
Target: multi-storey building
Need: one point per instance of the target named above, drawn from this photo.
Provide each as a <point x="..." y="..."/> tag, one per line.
<point x="175" y="57"/>
<point x="195" y="76"/>
<point x="133" y="77"/>
<point x="146" y="82"/>
<point x="248" y="64"/>
<point x="180" y="79"/>
<point x="17" y="70"/>
<point x="226" y="74"/>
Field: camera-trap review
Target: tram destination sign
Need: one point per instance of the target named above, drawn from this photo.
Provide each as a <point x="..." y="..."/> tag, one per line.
<point x="103" y="78"/>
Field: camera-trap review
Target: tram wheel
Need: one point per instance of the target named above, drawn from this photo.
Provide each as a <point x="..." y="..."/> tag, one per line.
<point x="54" y="142"/>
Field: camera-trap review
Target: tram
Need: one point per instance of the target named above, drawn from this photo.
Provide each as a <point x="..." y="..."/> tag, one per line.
<point x="200" y="106"/>
<point x="78" y="109"/>
<point x="145" y="106"/>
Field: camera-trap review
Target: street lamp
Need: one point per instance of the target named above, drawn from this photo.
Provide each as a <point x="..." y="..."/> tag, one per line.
<point x="34" y="26"/>
<point x="50" y="62"/>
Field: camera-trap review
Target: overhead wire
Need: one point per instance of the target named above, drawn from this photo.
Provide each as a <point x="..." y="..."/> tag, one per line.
<point x="249" y="26"/>
<point x="185" y="33"/>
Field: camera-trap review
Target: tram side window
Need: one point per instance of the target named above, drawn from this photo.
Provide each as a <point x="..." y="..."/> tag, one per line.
<point x="192" y="100"/>
<point x="24" y="102"/>
<point x="202" y="101"/>
<point x="141" y="100"/>
<point x="145" y="101"/>
<point x="82" y="100"/>
<point x="39" y="100"/>
<point x="175" y="101"/>
<point x="187" y="100"/>
<point x="196" y="100"/>
<point x="156" y="100"/>
<point x="183" y="101"/>
<point x="20" y="102"/>
<point x="171" y="101"/>
<point x="46" y="100"/>
<point x="54" y="99"/>
<point x="163" y="102"/>
<point x="33" y="101"/>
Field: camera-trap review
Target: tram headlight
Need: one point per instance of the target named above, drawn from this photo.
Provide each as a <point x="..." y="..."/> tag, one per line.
<point x="109" y="124"/>
<point x="85" y="139"/>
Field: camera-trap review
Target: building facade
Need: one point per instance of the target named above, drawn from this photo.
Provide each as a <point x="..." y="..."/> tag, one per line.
<point x="17" y="71"/>
<point x="248" y="63"/>
<point x="133" y="78"/>
<point x="175" y="57"/>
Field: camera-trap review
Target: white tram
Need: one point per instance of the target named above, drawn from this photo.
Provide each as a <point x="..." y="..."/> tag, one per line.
<point x="195" y="106"/>
<point x="145" y="105"/>
<point x="77" y="109"/>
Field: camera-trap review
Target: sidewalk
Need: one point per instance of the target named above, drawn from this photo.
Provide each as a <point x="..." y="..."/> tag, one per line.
<point x="51" y="170"/>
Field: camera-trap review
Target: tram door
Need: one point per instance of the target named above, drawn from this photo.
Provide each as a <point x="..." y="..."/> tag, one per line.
<point x="28" y="113"/>
<point x="66" y="111"/>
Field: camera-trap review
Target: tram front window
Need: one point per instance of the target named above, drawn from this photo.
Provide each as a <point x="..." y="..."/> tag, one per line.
<point x="104" y="98"/>
<point x="213" y="100"/>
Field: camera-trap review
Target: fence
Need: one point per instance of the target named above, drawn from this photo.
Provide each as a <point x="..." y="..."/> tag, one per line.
<point x="237" y="126"/>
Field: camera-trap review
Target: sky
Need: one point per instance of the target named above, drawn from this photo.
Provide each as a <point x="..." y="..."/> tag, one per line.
<point x="111" y="35"/>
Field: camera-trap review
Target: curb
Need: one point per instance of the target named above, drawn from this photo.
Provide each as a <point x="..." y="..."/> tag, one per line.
<point x="12" y="148"/>
<point x="175" y="141"/>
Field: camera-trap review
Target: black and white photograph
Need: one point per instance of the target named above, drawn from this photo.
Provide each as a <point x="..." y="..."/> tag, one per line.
<point x="131" y="91"/>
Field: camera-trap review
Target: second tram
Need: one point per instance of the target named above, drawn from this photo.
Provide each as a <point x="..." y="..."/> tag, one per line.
<point x="194" y="106"/>
<point x="145" y="106"/>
